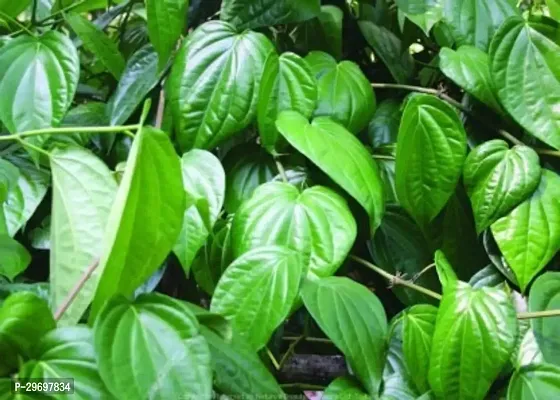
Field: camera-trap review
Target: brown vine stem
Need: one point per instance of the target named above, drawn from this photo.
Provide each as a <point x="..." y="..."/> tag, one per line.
<point x="75" y="290"/>
<point x="466" y="110"/>
<point x="307" y="339"/>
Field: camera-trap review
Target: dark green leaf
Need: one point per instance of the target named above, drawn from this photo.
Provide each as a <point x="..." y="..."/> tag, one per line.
<point x="215" y="323"/>
<point x="87" y="114"/>
<point x="395" y="363"/>
<point x="535" y="382"/>
<point x="384" y="126"/>
<point x="397" y="387"/>
<point x="488" y="276"/>
<point x="344" y="387"/>
<point x="9" y="175"/>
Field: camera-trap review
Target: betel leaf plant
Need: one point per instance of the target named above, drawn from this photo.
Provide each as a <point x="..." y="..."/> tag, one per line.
<point x="264" y="198"/>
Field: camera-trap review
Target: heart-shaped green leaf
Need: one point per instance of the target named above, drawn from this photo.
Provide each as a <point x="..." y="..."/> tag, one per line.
<point x="38" y="79"/>
<point x="344" y="387"/>
<point x="529" y="90"/>
<point x="476" y="331"/>
<point x="78" y="221"/>
<point x="354" y="319"/>
<point x="315" y="223"/>
<point x="287" y="84"/>
<point x="203" y="179"/>
<point x="145" y="219"/>
<point x="535" y="382"/>
<point x="157" y="341"/>
<point x="322" y="33"/>
<point x="498" y="179"/>
<point x="340" y="155"/>
<point x="214" y="84"/>
<point x="529" y="236"/>
<point x="431" y="148"/>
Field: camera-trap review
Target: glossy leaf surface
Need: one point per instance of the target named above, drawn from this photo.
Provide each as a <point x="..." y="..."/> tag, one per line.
<point x="534" y="382"/>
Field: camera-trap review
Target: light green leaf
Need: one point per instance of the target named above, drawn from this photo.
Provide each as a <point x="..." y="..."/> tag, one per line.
<point x="498" y="179"/>
<point x="287" y="84"/>
<point x="38" y="79"/>
<point x="41" y="289"/>
<point x="474" y="22"/>
<point x="320" y="63"/>
<point x="545" y="295"/>
<point x="354" y="319"/>
<point x="78" y="222"/>
<point x="476" y="331"/>
<point x="105" y="49"/>
<point x="427" y="19"/>
<point x="203" y="179"/>
<point x="214" y="84"/>
<point x="529" y="351"/>
<point x="24" y="319"/>
<point x="253" y="14"/>
<point x="344" y="387"/>
<point x="315" y="223"/>
<point x="415" y="7"/>
<point x="63" y="353"/>
<point x="215" y="323"/>
<point x="83" y="6"/>
<point x="529" y="236"/>
<point x="390" y="49"/>
<point x="469" y="68"/>
<point x="398" y="387"/>
<point x="9" y="175"/>
<point x="395" y="363"/>
<point x="87" y="114"/>
<point x="158" y="339"/>
<point x="554" y="9"/>
<point x="13" y="8"/>
<point x="257" y="291"/>
<point x="330" y="146"/>
<point x="535" y="382"/>
<point x="166" y="21"/>
<point x="431" y="149"/>
<point x="145" y="219"/>
<point x="384" y="126"/>
<point x="14" y="258"/>
<point x="447" y="275"/>
<point x="139" y="77"/>
<point x="525" y="65"/>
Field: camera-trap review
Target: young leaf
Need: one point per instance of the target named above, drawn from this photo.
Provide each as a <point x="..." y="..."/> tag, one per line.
<point x="166" y="20"/>
<point x="344" y="387"/>
<point x="329" y="146"/>
<point x="24" y="319"/>
<point x="469" y="68"/>
<point x="145" y="219"/>
<point x="67" y="352"/>
<point x="474" y="22"/>
<point x="287" y="84"/>
<point x="535" y="382"/>
<point x="498" y="179"/>
<point x="214" y="84"/>
<point x="526" y="70"/>
<point x="38" y="79"/>
<point x="157" y="340"/>
<point x="204" y="181"/>
<point x="78" y="222"/>
<point x="530" y="235"/>
<point x="354" y="319"/>
<point x="257" y="291"/>
<point x="431" y="149"/>
<point x="315" y="223"/>
<point x="476" y="331"/>
<point x="545" y="295"/>
<point x="98" y="43"/>
<point x="138" y="78"/>
<point x="14" y="258"/>
<point x="246" y="14"/>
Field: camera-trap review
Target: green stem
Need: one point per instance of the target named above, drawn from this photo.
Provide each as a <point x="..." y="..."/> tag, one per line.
<point x="69" y="130"/>
<point x="281" y="170"/>
<point x="290" y="351"/>
<point x="68" y="8"/>
<point x="16" y="22"/>
<point x="308" y="339"/>
<point x="33" y="147"/>
<point x="382" y="157"/>
<point x="301" y="386"/>
<point x="272" y="359"/>
<point x="538" y="314"/>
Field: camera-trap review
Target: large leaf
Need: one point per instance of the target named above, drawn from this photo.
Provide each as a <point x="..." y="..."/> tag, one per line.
<point x="390" y="49"/>
<point x="530" y="235"/>
<point x="238" y="371"/>
<point x="166" y="20"/>
<point x="157" y="338"/>
<point x="105" y="49"/>
<point x="24" y="319"/>
<point x="287" y="84"/>
<point x="498" y="179"/>
<point x="476" y="331"/>
<point x="78" y="220"/>
<point x="138" y="78"/>
<point x="427" y="19"/>
<point x="431" y="148"/>
<point x="535" y="382"/>
<point x="526" y="70"/>
<point x="474" y="22"/>
<point x="14" y="258"/>
<point x="545" y="295"/>
<point x="344" y="94"/>
<point x="63" y="353"/>
<point x="13" y="8"/>
<point x="214" y="84"/>
<point x="257" y="291"/>
<point x="469" y="67"/>
<point x="354" y="319"/>
<point x="315" y="223"/>
<point x="330" y="146"/>
<point x="252" y="14"/>
<point x="205" y="184"/>
<point x="145" y="219"/>
<point x="38" y="79"/>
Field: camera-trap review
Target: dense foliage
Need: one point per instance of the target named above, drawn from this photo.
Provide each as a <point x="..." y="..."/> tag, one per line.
<point x="251" y="198"/>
